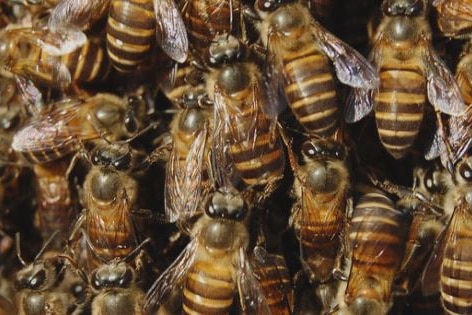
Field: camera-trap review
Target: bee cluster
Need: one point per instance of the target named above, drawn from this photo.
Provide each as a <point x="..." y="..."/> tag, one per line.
<point x="235" y="157"/>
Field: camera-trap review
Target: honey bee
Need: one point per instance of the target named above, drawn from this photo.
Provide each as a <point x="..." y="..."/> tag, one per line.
<point x="321" y="187"/>
<point x="49" y="60"/>
<point x="49" y="284"/>
<point x="62" y="130"/>
<point x="109" y="195"/>
<point x="214" y="266"/>
<point x="301" y="56"/>
<point x="115" y="287"/>
<point x="246" y="145"/>
<point x="410" y="72"/>
<point x="130" y="27"/>
<point x="376" y="238"/>
<point x="454" y="17"/>
<point x="447" y="269"/>
<point x="55" y="210"/>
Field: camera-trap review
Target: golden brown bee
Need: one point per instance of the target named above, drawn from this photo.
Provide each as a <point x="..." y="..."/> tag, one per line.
<point x="109" y="195"/>
<point x="115" y="287"/>
<point x="318" y="215"/>
<point x="245" y="141"/>
<point x="62" y="130"/>
<point x="55" y="210"/>
<point x="131" y="26"/>
<point x="376" y="239"/>
<point x="447" y="270"/>
<point x="214" y="267"/>
<point x="454" y="17"/>
<point x="411" y="73"/>
<point x="301" y="54"/>
<point x="207" y="19"/>
<point x="56" y="61"/>
<point x="49" y="285"/>
<point x="273" y="275"/>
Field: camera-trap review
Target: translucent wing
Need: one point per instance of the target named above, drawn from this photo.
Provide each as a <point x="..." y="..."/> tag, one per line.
<point x="184" y="191"/>
<point x="60" y="129"/>
<point x="454" y="17"/>
<point x="31" y="95"/>
<point x="443" y="92"/>
<point x="251" y="295"/>
<point x="360" y="101"/>
<point x="351" y="67"/>
<point x="171" y="33"/>
<point x="77" y="13"/>
<point x="172" y="277"/>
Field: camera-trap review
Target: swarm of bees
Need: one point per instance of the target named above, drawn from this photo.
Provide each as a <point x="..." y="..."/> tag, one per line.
<point x="235" y="157"/>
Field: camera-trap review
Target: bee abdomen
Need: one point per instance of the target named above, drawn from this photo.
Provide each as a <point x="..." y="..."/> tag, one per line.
<point x="399" y="108"/>
<point x="130" y="28"/>
<point x="88" y="63"/>
<point x="52" y="152"/>
<point x="209" y="289"/>
<point x="311" y="91"/>
<point x="456" y="276"/>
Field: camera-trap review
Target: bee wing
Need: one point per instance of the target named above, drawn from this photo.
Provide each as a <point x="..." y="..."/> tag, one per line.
<point x="251" y="295"/>
<point x="454" y="17"/>
<point x="443" y="92"/>
<point x="56" y="130"/>
<point x="57" y="42"/>
<point x="351" y="67"/>
<point x="172" y="277"/>
<point x="360" y="101"/>
<point x="183" y="191"/>
<point x="76" y="13"/>
<point x="171" y="33"/>
<point x="31" y="95"/>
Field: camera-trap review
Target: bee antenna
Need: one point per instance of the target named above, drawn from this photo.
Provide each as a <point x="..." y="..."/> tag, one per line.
<point x="18" y="249"/>
<point x="135" y="251"/>
<point x="92" y="247"/>
<point x="74" y="264"/>
<point x="46" y="244"/>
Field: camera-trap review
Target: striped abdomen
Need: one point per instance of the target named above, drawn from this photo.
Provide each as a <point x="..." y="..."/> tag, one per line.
<point x="130" y="29"/>
<point x="310" y="90"/>
<point x="318" y="225"/>
<point x="209" y="289"/>
<point x="88" y="63"/>
<point x="399" y="107"/>
<point x="456" y="267"/>
<point x="376" y="237"/>
<point x="205" y="19"/>
<point x="274" y="279"/>
<point x="52" y="150"/>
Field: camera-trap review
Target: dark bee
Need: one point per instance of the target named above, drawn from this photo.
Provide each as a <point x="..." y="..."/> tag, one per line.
<point x="245" y="140"/>
<point x="109" y="195"/>
<point x="214" y="267"/>
<point x="410" y="72"/>
<point x="49" y="284"/>
<point x="454" y="17"/>
<point x="318" y="215"/>
<point x="376" y="239"/>
<point x="301" y="55"/>
<point x="131" y="26"/>
<point x="62" y="130"/>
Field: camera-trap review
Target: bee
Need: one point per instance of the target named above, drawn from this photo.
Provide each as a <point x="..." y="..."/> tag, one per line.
<point x="115" y="287"/>
<point x="131" y="26"/>
<point x="321" y="188"/>
<point x="52" y="61"/>
<point x="245" y="140"/>
<point x="205" y="20"/>
<point x="464" y="72"/>
<point x="454" y="17"/>
<point x="55" y="210"/>
<point x="446" y="271"/>
<point x="49" y="284"/>
<point x="376" y="239"/>
<point x="61" y="130"/>
<point x="214" y="266"/>
<point x="301" y="55"/>
<point x="272" y="273"/>
<point x="410" y="72"/>
<point x="109" y="194"/>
